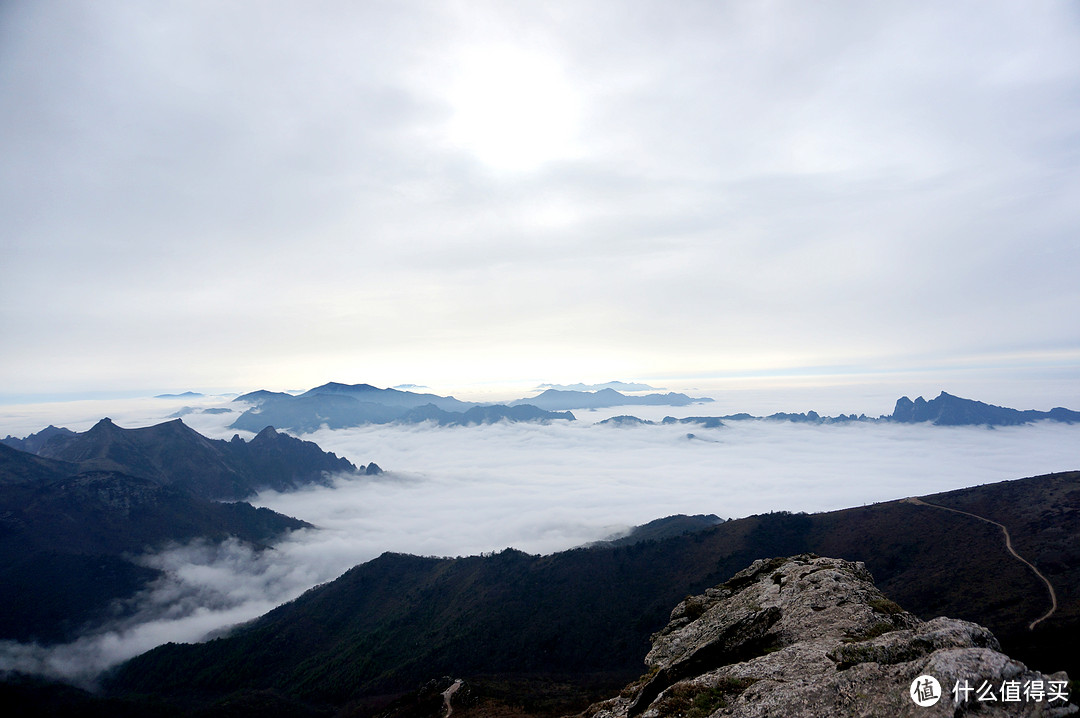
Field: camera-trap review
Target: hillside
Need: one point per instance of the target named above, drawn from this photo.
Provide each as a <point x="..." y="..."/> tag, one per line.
<point x="73" y="519"/>
<point x="174" y="454"/>
<point x="389" y="625"/>
<point x="66" y="545"/>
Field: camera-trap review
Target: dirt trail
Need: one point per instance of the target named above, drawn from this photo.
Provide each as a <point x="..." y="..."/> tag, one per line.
<point x="1008" y="545"/>
<point x="448" y="694"/>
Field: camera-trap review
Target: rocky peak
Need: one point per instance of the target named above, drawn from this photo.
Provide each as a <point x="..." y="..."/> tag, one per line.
<point x="811" y="636"/>
<point x="269" y="433"/>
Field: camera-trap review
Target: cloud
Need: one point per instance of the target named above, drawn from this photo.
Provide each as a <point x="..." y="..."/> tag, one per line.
<point x="252" y="194"/>
<point x="456" y="491"/>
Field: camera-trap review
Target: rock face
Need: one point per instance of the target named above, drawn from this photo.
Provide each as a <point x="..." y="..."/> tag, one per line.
<point x="810" y="636"/>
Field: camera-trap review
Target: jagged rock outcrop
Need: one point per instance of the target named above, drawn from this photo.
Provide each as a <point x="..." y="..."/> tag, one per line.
<point x="949" y="410"/>
<point x="811" y="636"/>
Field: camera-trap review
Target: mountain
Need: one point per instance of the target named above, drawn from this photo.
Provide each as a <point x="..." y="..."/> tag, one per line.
<point x="18" y="467"/>
<point x="305" y="414"/>
<point x="388" y="397"/>
<point x="34" y="442"/>
<point x="666" y="527"/>
<point x="481" y="415"/>
<point x="808" y="636"/>
<point x="67" y="536"/>
<point x="73" y="515"/>
<point x="559" y="400"/>
<point x="184" y="395"/>
<point x="949" y="410"/>
<point x="706" y="422"/>
<point x="616" y="385"/>
<point x="262" y="395"/>
<point x="339" y="406"/>
<point x="586" y="615"/>
<point x="174" y="454"/>
<point x="625" y="420"/>
<point x="945" y="410"/>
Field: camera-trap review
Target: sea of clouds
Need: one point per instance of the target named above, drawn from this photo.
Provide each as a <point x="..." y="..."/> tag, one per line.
<point x="452" y="491"/>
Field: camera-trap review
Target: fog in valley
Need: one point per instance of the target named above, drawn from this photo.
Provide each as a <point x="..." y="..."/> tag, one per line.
<point x="540" y="488"/>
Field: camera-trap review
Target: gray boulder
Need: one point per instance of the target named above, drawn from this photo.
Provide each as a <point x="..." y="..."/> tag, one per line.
<point x="808" y="636"/>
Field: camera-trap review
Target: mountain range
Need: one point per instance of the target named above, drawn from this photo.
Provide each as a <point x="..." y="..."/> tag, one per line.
<point x="616" y="385"/>
<point x="945" y="410"/>
<point x="338" y="406"/>
<point x="559" y="399"/>
<point x="173" y="453"/>
<point x="584" y="617"/>
<point x="74" y="514"/>
<point x="949" y="410"/>
<point x="537" y="635"/>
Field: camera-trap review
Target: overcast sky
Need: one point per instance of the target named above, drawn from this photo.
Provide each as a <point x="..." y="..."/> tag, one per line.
<point x="227" y="195"/>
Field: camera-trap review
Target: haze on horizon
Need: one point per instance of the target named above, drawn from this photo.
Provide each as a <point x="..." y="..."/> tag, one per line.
<point x="280" y="194"/>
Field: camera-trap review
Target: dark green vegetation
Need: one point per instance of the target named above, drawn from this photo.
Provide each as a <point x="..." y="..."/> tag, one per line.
<point x="692" y="701"/>
<point x="664" y="528"/>
<point x="72" y="518"/>
<point x="64" y="544"/>
<point x="394" y="623"/>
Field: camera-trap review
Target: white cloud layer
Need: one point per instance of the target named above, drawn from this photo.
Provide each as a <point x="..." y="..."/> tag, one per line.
<point x="542" y="488"/>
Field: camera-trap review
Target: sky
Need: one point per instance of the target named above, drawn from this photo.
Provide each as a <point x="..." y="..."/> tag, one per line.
<point x="225" y="196"/>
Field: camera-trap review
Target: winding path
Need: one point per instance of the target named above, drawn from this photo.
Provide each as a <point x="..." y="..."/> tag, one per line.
<point x="1008" y="545"/>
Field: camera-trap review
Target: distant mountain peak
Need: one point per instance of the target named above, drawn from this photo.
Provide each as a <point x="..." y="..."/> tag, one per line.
<point x="949" y="410"/>
<point x="338" y="387"/>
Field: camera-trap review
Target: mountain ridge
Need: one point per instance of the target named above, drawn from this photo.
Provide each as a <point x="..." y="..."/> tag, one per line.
<point x="68" y="535"/>
<point x="337" y="405"/>
<point x="944" y="410"/>
<point x="73" y="518"/>
<point x="392" y="623"/>
<point x="173" y="453"/>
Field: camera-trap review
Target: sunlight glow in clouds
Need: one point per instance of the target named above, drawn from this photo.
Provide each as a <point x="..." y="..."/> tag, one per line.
<point x="513" y="109"/>
<point x="297" y="190"/>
